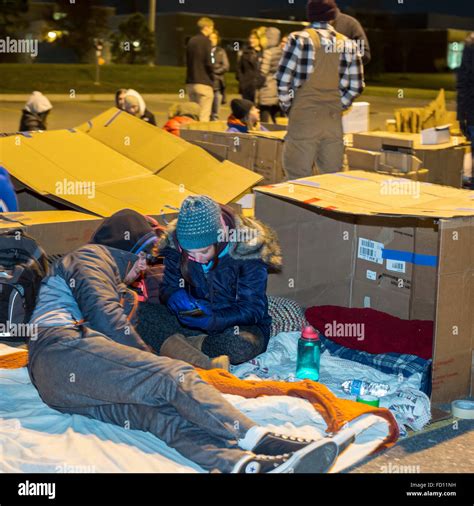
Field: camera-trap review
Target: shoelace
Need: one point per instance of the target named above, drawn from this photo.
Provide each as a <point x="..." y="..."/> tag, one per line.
<point x="293" y="438"/>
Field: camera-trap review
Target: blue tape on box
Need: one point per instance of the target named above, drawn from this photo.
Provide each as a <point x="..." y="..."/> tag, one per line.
<point x="408" y="256"/>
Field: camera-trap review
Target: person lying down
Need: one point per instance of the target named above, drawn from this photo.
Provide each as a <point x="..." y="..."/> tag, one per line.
<point x="89" y="359"/>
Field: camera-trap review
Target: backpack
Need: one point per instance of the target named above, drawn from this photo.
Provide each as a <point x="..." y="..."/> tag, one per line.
<point x="23" y="264"/>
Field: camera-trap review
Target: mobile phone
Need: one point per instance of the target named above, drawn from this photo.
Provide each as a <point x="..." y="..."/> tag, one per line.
<point x="194" y="313"/>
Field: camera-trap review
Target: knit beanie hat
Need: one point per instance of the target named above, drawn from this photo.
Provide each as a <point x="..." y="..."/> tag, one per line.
<point x="322" y="10"/>
<point x="199" y="222"/>
<point x="241" y="107"/>
<point x="126" y="230"/>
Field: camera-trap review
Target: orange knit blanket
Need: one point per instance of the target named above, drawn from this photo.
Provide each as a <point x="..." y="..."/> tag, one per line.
<point x="336" y="412"/>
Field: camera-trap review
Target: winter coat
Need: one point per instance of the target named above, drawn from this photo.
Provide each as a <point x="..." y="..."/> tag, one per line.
<point x="268" y="94"/>
<point x="173" y="125"/>
<point x="149" y="117"/>
<point x="351" y="28"/>
<point x="143" y="113"/>
<point x="236" y="287"/>
<point x="8" y="200"/>
<point x="221" y="65"/>
<point x="31" y="121"/>
<point x="248" y="73"/>
<point x="35" y="112"/>
<point x="198" y="61"/>
<point x="86" y="286"/>
<point x="235" y="125"/>
<point x="465" y="83"/>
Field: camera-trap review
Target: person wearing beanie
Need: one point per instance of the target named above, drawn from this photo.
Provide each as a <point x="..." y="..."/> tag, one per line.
<point x="245" y="117"/>
<point x="35" y="113"/>
<point x="88" y="358"/>
<point x="216" y="262"/>
<point x="134" y="104"/>
<point x="320" y="74"/>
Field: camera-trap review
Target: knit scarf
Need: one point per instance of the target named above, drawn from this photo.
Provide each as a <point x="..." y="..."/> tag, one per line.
<point x="233" y="122"/>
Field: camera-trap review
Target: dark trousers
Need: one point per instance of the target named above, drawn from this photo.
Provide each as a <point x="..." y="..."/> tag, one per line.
<point x="269" y="112"/>
<point x="86" y="373"/>
<point x="156" y="323"/>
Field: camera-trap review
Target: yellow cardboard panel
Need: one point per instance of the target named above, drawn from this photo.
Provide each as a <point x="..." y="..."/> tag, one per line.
<point x="148" y="195"/>
<point x="83" y="158"/>
<point x="198" y="171"/>
<point x="146" y="144"/>
<point x="44" y="217"/>
<point x="169" y="156"/>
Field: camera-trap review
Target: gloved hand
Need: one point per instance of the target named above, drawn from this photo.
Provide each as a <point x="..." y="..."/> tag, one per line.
<point x="199" y="322"/>
<point x="181" y="301"/>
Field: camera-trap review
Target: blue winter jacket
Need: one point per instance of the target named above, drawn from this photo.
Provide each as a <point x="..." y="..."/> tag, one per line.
<point x="236" y="287"/>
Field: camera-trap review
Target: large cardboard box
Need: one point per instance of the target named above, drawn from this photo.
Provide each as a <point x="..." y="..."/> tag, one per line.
<point x="260" y="152"/>
<point x="444" y="161"/>
<point x="360" y="239"/>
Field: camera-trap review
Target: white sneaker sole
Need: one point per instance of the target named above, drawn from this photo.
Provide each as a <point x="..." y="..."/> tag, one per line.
<point x="317" y="457"/>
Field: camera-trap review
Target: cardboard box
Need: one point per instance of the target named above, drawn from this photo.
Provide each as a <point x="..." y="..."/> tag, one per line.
<point x="444" y="162"/>
<point x="356" y="239"/>
<point x="356" y="118"/>
<point x="261" y="152"/>
<point x="58" y="232"/>
<point x="387" y="162"/>
<point x="436" y="135"/>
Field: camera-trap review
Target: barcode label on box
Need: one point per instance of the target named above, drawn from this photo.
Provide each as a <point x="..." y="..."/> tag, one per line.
<point x="396" y="265"/>
<point x="371" y="275"/>
<point x="370" y="250"/>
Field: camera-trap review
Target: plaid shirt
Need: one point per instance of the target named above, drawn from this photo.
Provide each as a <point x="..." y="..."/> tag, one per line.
<point x="297" y="64"/>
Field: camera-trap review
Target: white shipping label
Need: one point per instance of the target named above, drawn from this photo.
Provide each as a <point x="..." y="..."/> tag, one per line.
<point x="372" y="275"/>
<point x="396" y="265"/>
<point x="370" y="250"/>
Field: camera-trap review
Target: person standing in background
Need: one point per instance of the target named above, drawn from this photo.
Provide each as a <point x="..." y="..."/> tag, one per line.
<point x="248" y="67"/>
<point x="352" y="29"/>
<point x="267" y="95"/>
<point x="316" y="82"/>
<point x="220" y="63"/>
<point x="199" y="69"/>
<point x="465" y="99"/>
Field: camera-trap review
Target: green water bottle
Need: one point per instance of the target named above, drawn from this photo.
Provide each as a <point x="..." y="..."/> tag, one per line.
<point x="309" y="353"/>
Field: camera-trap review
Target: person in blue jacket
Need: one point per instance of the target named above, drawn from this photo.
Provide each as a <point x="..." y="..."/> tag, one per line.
<point x="217" y="262"/>
<point x="8" y="200"/>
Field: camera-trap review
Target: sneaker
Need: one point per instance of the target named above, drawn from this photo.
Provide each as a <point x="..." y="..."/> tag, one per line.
<point x="317" y="457"/>
<point x="279" y="444"/>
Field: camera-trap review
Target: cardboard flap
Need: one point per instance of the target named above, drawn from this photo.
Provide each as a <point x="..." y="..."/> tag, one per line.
<point x="170" y="157"/>
<point x="200" y="172"/>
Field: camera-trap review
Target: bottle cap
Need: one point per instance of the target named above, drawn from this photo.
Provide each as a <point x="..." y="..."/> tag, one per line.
<point x="309" y="333"/>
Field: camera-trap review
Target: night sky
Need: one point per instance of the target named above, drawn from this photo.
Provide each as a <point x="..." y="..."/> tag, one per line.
<point x="254" y="7"/>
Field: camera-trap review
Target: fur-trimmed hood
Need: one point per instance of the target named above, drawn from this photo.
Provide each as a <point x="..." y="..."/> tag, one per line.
<point x="249" y="240"/>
